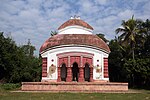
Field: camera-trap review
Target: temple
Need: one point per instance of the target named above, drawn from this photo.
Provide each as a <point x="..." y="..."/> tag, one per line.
<point x="74" y="59"/>
<point x="75" y="54"/>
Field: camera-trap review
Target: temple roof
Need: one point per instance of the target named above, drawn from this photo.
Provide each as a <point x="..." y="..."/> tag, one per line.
<point x="75" y="39"/>
<point x="73" y="22"/>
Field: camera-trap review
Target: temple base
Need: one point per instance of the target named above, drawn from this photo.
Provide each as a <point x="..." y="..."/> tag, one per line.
<point x="74" y="86"/>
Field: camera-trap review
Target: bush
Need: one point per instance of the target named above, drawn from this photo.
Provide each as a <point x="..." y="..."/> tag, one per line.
<point x="10" y="86"/>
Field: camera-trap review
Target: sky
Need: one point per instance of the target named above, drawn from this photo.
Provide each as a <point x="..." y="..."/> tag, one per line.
<point x="35" y="19"/>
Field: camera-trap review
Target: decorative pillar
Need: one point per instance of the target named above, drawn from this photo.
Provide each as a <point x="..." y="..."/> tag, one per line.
<point x="69" y="71"/>
<point x="106" y="68"/>
<point x="91" y="74"/>
<point x="81" y="70"/>
<point x="81" y="74"/>
<point x="69" y="74"/>
<point x="44" y="67"/>
<point x="59" y="78"/>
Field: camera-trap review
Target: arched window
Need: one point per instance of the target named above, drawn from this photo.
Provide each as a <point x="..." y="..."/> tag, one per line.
<point x="87" y="72"/>
<point x="75" y="72"/>
<point x="63" y="72"/>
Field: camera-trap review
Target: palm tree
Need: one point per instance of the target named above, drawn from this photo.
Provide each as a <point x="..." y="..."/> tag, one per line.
<point x="129" y="32"/>
<point x="102" y="36"/>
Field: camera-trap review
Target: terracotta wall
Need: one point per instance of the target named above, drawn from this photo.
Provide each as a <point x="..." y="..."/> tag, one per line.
<point x="73" y="86"/>
<point x="63" y="60"/>
<point x="106" y="68"/>
<point x="44" y="67"/>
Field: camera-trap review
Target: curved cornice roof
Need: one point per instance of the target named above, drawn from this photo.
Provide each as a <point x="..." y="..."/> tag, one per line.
<point x="75" y="39"/>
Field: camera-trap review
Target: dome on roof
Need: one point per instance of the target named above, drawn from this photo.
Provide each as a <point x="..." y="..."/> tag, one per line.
<point x="73" y="22"/>
<point x="75" y="39"/>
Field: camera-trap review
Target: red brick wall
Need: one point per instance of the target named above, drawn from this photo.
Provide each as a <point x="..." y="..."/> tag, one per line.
<point x="106" y="68"/>
<point x="44" y="67"/>
<point x="63" y="60"/>
<point x="75" y="86"/>
<point x="87" y="60"/>
<point x="76" y="59"/>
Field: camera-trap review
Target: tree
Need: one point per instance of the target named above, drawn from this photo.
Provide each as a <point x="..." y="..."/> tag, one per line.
<point x="116" y="60"/>
<point x="145" y="51"/>
<point x="138" y="75"/>
<point x="102" y="36"/>
<point x="28" y="48"/>
<point x="146" y="26"/>
<point x="134" y="35"/>
<point x="129" y="32"/>
<point x="16" y="63"/>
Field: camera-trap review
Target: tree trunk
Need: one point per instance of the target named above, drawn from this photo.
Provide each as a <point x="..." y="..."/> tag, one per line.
<point x="133" y="55"/>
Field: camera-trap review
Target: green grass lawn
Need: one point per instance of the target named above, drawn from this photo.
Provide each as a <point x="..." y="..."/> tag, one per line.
<point x="7" y="95"/>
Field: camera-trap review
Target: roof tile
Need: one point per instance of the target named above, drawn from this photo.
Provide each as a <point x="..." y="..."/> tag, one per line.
<point x="77" y="39"/>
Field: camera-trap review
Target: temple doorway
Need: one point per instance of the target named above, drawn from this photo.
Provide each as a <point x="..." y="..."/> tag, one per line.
<point x="75" y="72"/>
<point x="87" y="72"/>
<point x="63" y="72"/>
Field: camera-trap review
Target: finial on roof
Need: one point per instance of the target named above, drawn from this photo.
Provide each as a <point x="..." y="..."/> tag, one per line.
<point x="75" y="17"/>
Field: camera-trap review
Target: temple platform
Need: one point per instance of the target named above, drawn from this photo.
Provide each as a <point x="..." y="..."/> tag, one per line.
<point x="75" y="86"/>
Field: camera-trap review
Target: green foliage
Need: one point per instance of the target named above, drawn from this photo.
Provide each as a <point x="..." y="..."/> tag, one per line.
<point x="138" y="75"/>
<point x="102" y="36"/>
<point x="135" y="40"/>
<point x="116" y="61"/>
<point x="131" y="34"/>
<point x="18" y="64"/>
<point x="28" y="49"/>
<point x="9" y="86"/>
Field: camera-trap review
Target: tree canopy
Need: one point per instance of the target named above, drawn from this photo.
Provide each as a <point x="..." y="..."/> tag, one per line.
<point x="133" y="39"/>
<point x="102" y="36"/>
<point x="16" y="63"/>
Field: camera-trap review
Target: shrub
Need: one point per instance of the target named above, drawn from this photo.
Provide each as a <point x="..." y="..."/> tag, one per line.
<point x="10" y="86"/>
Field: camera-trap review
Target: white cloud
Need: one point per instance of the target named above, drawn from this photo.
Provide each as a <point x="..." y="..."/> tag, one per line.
<point x="125" y="14"/>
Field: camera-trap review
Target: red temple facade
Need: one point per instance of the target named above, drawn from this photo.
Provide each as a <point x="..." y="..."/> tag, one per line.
<point x="75" y="54"/>
<point x="74" y="60"/>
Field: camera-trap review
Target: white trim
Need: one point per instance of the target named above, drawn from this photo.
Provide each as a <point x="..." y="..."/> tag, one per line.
<point x="45" y="78"/>
<point x="102" y="60"/>
<point x="75" y="45"/>
<point x="107" y="79"/>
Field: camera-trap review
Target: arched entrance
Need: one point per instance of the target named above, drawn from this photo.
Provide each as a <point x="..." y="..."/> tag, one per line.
<point x="87" y="72"/>
<point x="75" y="72"/>
<point x="63" y="72"/>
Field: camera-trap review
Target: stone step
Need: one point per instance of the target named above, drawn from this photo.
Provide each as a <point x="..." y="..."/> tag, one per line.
<point x="74" y="86"/>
